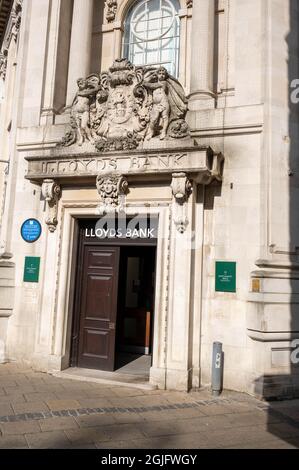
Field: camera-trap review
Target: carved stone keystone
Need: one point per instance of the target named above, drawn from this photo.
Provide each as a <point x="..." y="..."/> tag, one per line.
<point x="112" y="190"/>
<point x="51" y="191"/>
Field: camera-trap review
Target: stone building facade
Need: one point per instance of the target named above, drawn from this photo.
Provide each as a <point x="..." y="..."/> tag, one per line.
<point x="177" y="112"/>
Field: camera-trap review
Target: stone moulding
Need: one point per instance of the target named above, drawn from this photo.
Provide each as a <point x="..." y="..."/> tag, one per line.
<point x="200" y="162"/>
<point x="109" y="173"/>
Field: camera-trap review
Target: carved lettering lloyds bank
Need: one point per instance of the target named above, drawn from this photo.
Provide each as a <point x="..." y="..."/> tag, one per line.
<point x="127" y="106"/>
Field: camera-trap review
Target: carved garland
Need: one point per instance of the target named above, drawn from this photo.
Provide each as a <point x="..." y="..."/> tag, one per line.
<point x="51" y="191"/>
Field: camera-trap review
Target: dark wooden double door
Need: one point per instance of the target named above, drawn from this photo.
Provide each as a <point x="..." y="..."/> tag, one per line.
<point x="100" y="312"/>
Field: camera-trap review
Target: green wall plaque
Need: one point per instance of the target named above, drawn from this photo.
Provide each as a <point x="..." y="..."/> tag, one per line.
<point x="31" y="269"/>
<point x="225" y="276"/>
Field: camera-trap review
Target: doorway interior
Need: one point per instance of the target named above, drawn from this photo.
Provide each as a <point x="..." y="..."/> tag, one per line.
<point x="114" y="305"/>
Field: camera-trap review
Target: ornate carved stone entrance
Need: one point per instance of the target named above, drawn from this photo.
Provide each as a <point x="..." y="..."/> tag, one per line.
<point x="128" y="151"/>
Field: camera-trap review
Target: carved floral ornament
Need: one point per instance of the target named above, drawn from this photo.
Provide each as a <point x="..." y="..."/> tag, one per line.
<point x="126" y="107"/>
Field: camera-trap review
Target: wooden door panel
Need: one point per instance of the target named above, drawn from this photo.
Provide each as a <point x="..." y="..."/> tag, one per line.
<point x="101" y="260"/>
<point x="96" y="343"/>
<point x="98" y="307"/>
<point x="99" y="304"/>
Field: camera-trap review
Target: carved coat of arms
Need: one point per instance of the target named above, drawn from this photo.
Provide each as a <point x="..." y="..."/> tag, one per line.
<point x="120" y="109"/>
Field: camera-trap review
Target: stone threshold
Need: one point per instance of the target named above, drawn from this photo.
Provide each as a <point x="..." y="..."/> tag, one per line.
<point x="107" y="378"/>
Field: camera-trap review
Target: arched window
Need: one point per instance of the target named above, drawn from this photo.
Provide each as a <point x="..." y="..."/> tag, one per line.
<point x="152" y="34"/>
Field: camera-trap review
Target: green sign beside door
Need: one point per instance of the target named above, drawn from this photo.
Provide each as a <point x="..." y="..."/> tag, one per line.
<point x="31" y="269"/>
<point x="225" y="276"/>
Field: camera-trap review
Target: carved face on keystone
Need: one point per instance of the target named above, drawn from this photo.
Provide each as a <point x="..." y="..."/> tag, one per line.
<point x="109" y="187"/>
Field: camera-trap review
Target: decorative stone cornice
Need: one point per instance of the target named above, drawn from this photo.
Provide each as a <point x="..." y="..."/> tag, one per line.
<point x="51" y="191"/>
<point x="111" y="9"/>
<point x="112" y="189"/>
<point x="12" y="33"/>
<point x="189" y="3"/>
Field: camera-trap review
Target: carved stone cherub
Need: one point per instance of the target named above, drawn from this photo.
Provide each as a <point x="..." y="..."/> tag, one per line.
<point x="80" y="113"/>
<point x="160" y="108"/>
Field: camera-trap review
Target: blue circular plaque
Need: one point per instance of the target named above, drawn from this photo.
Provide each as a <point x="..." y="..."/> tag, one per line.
<point x="31" y="230"/>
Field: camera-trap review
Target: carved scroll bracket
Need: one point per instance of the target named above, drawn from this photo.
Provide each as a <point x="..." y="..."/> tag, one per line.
<point x="181" y="189"/>
<point x="113" y="190"/>
<point x="51" y="191"/>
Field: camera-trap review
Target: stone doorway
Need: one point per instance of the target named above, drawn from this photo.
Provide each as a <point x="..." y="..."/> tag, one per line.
<point x="114" y="302"/>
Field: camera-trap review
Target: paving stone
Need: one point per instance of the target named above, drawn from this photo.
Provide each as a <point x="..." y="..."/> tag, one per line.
<point x="115" y="445"/>
<point x="129" y="417"/>
<point x="151" y="401"/>
<point x="12" y="399"/>
<point x="216" y="409"/>
<point x="128" y="392"/>
<point x="70" y="395"/>
<point x="252" y="418"/>
<point x="125" y="402"/>
<point x="6" y="382"/>
<point x="39" y="396"/>
<point x="20" y="390"/>
<point x="123" y="432"/>
<point x="48" y="440"/>
<point x="13" y="442"/>
<point x="6" y="409"/>
<point x="30" y="407"/>
<point x="100" y="393"/>
<point x="20" y="427"/>
<point x="95" y="420"/>
<point x="57" y="424"/>
<point x="94" y="403"/>
<point x="166" y="428"/>
<point x="86" y="435"/>
<point x="57" y="405"/>
<point x="282" y="430"/>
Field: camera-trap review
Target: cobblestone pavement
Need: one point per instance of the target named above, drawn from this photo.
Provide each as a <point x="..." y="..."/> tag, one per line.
<point x="41" y="411"/>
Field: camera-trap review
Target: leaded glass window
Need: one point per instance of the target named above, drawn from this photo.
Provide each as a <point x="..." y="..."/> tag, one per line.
<point x="152" y="34"/>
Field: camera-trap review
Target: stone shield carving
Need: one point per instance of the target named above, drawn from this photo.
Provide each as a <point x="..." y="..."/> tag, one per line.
<point x="126" y="106"/>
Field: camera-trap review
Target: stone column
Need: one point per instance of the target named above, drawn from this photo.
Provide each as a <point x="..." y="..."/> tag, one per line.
<point x="202" y="54"/>
<point x="80" y="49"/>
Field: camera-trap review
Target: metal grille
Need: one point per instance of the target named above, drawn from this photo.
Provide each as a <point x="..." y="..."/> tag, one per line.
<point x="152" y="34"/>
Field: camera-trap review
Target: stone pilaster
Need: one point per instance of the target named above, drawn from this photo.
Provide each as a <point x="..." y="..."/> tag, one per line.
<point x="80" y="49"/>
<point x="202" y="57"/>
